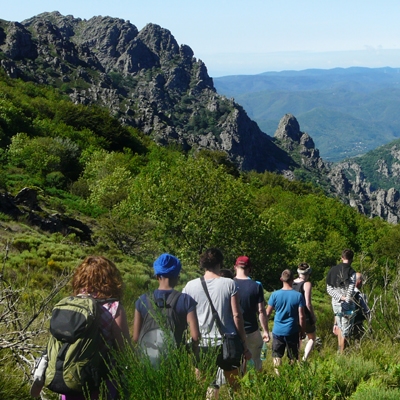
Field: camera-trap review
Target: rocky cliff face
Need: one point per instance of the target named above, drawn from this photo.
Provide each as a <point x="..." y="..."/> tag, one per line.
<point x="346" y="179"/>
<point x="149" y="81"/>
<point x="144" y="77"/>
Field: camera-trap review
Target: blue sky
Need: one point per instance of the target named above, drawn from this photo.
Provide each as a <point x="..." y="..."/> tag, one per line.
<point x="254" y="36"/>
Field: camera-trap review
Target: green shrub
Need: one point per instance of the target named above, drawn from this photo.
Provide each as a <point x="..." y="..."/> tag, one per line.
<point x="374" y="390"/>
<point x="56" y="179"/>
<point x="5" y="217"/>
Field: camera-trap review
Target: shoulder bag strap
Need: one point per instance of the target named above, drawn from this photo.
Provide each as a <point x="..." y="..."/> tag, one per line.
<point x="214" y="311"/>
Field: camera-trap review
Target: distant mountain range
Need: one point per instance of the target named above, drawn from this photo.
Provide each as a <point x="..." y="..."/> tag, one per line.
<point x="347" y="111"/>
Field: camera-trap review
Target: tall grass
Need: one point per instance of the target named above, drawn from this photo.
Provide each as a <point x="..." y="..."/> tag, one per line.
<point x="359" y="374"/>
<point x="175" y="378"/>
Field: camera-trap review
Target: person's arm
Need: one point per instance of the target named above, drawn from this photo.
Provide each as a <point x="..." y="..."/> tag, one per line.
<point x="350" y="289"/>
<point x="239" y="324"/>
<point x="334" y="293"/>
<point x="364" y="305"/>
<point x="307" y="295"/>
<point x="120" y="328"/>
<point x="302" y="322"/>
<point x="194" y="329"/>
<point x="262" y="316"/>
<point x="137" y="325"/>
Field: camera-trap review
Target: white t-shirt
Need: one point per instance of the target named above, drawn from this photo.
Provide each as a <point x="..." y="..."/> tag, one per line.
<point x="221" y="291"/>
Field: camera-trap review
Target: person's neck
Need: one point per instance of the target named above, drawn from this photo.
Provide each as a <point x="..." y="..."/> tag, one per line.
<point x="164" y="284"/>
<point x="241" y="274"/>
<point x="211" y="275"/>
<point x="287" y="286"/>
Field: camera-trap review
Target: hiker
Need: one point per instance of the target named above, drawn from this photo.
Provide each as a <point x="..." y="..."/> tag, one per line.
<point x="226" y="273"/>
<point x="219" y="314"/>
<point x="289" y="321"/>
<point x="340" y="284"/>
<point x="220" y="378"/>
<point x="167" y="269"/>
<point x="362" y="311"/>
<point x="251" y="295"/>
<point x="303" y="286"/>
<point x="99" y="278"/>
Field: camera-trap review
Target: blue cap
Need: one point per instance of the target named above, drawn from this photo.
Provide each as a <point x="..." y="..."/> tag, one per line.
<point x="167" y="265"/>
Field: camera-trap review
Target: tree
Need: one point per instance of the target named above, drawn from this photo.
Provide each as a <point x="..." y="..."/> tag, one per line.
<point x="196" y="204"/>
<point x="108" y="177"/>
<point x="44" y="155"/>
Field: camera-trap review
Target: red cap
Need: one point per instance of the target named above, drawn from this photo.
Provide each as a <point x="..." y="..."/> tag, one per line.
<point x="243" y="261"/>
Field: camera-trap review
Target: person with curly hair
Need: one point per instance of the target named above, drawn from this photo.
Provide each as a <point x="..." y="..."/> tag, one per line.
<point x="99" y="278"/>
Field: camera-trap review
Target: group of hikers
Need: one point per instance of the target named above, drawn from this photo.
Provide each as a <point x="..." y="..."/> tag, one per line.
<point x="223" y="313"/>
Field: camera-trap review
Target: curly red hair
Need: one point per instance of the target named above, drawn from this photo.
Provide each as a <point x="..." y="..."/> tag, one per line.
<point x="98" y="276"/>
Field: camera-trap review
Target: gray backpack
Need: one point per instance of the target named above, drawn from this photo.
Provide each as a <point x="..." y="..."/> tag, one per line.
<point x="160" y="327"/>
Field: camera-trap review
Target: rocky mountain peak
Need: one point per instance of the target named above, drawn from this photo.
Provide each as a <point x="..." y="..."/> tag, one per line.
<point x="145" y="78"/>
<point x="288" y="128"/>
<point x="296" y="142"/>
<point x="148" y="81"/>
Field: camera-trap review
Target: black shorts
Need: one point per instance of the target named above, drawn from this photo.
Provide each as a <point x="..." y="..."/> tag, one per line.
<point x="291" y="343"/>
<point x="310" y="326"/>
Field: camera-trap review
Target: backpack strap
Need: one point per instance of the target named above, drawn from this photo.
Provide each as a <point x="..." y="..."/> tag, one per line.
<point x="173" y="298"/>
<point x="170" y="302"/>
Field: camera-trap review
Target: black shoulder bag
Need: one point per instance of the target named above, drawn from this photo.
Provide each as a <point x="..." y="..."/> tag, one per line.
<point x="232" y="346"/>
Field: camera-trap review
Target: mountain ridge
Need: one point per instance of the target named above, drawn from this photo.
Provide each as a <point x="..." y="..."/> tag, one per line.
<point x="145" y="78"/>
<point x="150" y="82"/>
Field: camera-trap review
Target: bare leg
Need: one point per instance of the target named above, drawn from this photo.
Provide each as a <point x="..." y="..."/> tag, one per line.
<point x="231" y="378"/>
<point x="342" y="341"/>
<point x="309" y="345"/>
<point x="277" y="363"/>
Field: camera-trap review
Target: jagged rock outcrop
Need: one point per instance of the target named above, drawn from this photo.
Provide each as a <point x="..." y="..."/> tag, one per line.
<point x="346" y="179"/>
<point x="298" y="143"/>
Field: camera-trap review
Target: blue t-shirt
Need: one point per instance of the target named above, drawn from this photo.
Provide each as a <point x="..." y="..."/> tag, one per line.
<point x="286" y="304"/>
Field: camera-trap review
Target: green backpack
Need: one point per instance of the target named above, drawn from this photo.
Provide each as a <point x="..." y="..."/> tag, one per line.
<point x="75" y="363"/>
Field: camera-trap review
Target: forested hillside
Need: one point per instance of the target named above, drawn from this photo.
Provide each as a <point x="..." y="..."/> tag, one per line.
<point x="380" y="166"/>
<point x="348" y="112"/>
